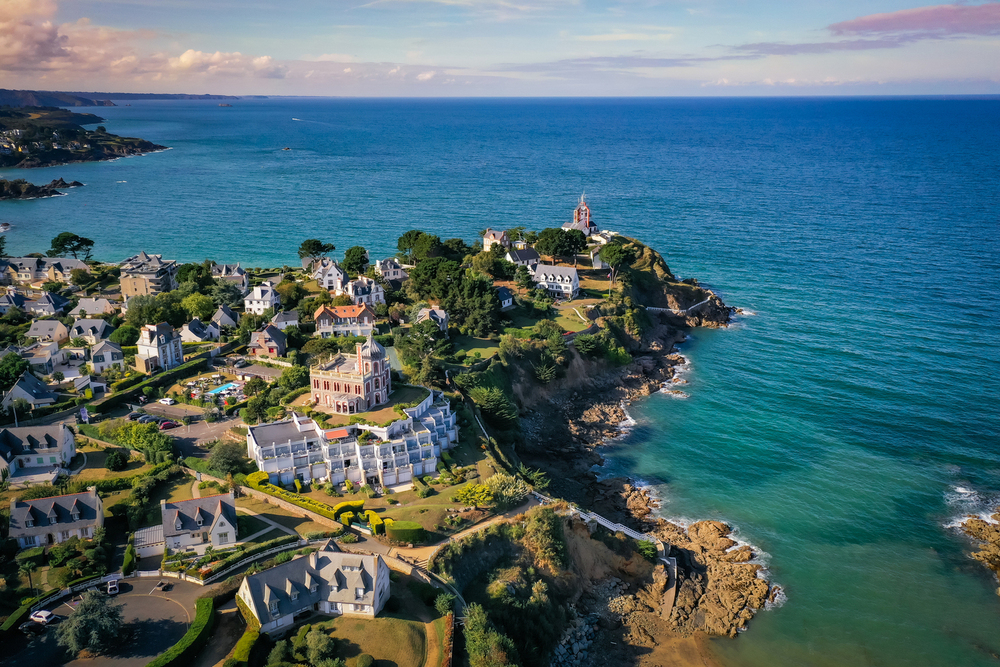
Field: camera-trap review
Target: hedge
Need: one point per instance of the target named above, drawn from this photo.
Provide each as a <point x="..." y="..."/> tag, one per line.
<point x="346" y="518"/>
<point x="245" y="645"/>
<point x="17" y="617"/>
<point x="354" y="506"/>
<point x="196" y="637"/>
<point x="231" y="409"/>
<point x="35" y="554"/>
<point x="292" y="395"/>
<point x="237" y="556"/>
<point x="258" y="480"/>
<point x="130" y="560"/>
<point x="406" y="531"/>
<point x="166" y="378"/>
<point x="375" y="521"/>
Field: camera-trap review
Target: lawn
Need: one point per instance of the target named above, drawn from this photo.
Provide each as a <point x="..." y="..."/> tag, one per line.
<point x="567" y="317"/>
<point x="282" y="517"/>
<point x="402" y="395"/>
<point x="272" y="534"/>
<point x="95" y="466"/>
<point x="181" y="387"/>
<point x="391" y="641"/>
<point x="249" y="524"/>
<point x="484" y="346"/>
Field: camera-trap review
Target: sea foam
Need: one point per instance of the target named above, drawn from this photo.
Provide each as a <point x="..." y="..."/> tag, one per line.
<point x="968" y="502"/>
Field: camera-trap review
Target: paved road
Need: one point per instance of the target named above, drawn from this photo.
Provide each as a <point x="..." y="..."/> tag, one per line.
<point x="154" y="622"/>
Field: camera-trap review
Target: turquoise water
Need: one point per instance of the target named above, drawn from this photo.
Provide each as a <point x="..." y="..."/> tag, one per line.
<point x="841" y="427"/>
<point x="228" y="385"/>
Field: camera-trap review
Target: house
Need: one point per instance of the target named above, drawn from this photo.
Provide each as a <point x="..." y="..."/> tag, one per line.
<point x="364" y="290"/>
<point x="437" y="315"/>
<point x="47" y="330"/>
<point x="559" y="281"/>
<point x="397" y="452"/>
<point x="196" y="331"/>
<point x="158" y="347"/>
<point x="261" y="298"/>
<point x="46" y="521"/>
<point x="30" y="389"/>
<point x="390" y="269"/>
<point x="232" y="273"/>
<point x="344" y="321"/>
<point x="328" y="274"/>
<point x="35" y="269"/>
<point x="148" y="274"/>
<point x="11" y="300"/>
<point x="106" y="355"/>
<point x="581" y="219"/>
<point x="93" y="307"/>
<point x="506" y="298"/>
<point x="492" y="237"/>
<point x="47" y="305"/>
<point x="44" y="357"/>
<point x="527" y="257"/>
<point x="193" y="525"/>
<point x="226" y="317"/>
<point x="285" y="319"/>
<point x="355" y="383"/>
<point x="325" y="581"/>
<point x="93" y="331"/>
<point x="268" y="342"/>
<point x="32" y="449"/>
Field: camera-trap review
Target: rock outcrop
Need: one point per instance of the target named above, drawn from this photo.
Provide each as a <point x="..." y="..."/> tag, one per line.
<point x="988" y="535"/>
<point x="21" y="189"/>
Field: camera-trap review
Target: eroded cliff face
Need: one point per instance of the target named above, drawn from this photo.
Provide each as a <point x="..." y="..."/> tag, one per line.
<point x="988" y="534"/>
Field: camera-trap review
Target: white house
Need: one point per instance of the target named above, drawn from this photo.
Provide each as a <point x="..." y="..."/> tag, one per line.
<point x="328" y="274"/>
<point x="106" y="355"/>
<point x="30" y="389"/>
<point x="262" y="298"/>
<point x="197" y="331"/>
<point x="344" y="321"/>
<point x="36" y="449"/>
<point x="92" y="331"/>
<point x="226" y="317"/>
<point x="506" y="298"/>
<point x="559" y="281"/>
<point x="44" y="357"/>
<point x="48" y="521"/>
<point x="158" y="346"/>
<point x="285" y="319"/>
<point x="193" y="525"/>
<point x="364" y="290"/>
<point x="527" y="257"/>
<point x="325" y="581"/>
<point x="390" y="269"/>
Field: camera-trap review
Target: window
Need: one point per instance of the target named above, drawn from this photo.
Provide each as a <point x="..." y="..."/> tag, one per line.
<point x="30" y="540"/>
<point x="28" y="523"/>
<point x="76" y="516"/>
<point x="313" y="587"/>
<point x="85" y="532"/>
<point x="359" y="593"/>
<point x="223" y="538"/>
<point x="295" y="595"/>
<point x="41" y="460"/>
<point x="315" y="384"/>
<point x="52" y="459"/>
<point x="63" y="535"/>
<point x="274" y="607"/>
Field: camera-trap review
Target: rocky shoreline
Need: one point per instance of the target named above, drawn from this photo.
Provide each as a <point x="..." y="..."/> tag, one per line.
<point x="987" y="533"/>
<point x="719" y="588"/>
<point x="21" y="189"/>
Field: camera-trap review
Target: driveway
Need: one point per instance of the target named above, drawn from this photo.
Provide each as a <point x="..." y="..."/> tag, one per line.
<point x="155" y="621"/>
<point x="189" y="438"/>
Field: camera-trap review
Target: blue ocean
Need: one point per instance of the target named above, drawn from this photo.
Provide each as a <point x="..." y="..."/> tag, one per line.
<point x="842" y="425"/>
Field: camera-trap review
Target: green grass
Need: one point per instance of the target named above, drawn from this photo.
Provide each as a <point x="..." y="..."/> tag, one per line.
<point x="486" y="348"/>
<point x="272" y="534"/>
<point x="391" y="641"/>
<point x="95" y="467"/>
<point x="249" y="524"/>
<point x="402" y="395"/>
<point x="282" y="517"/>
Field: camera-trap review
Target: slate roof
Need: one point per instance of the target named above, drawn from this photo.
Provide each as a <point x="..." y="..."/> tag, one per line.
<point x="34" y="387"/>
<point x="285" y="316"/>
<point x="93" y="307"/>
<point x="269" y="332"/>
<point x="549" y="273"/>
<point x="208" y="508"/>
<point x="17" y="441"/>
<point x="91" y="327"/>
<point x="223" y="312"/>
<point x="106" y="347"/>
<point x="46" y="329"/>
<point x="53" y="514"/>
<point x="529" y="255"/>
<point x="47" y="303"/>
<point x="198" y="329"/>
<point x="11" y="301"/>
<point x="504" y="294"/>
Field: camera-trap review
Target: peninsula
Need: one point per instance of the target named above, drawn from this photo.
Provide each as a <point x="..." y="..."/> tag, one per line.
<point x="22" y="189"/>
<point x="46" y="136"/>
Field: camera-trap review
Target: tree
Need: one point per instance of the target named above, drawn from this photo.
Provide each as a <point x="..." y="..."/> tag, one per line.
<point x="199" y="305"/>
<point x="58" y="376"/>
<point x="406" y="243"/>
<point x="419" y="342"/>
<point x="355" y="260"/>
<point x="116" y="460"/>
<point x="523" y="277"/>
<point x="291" y="293"/>
<point x="226" y="293"/>
<point x="455" y="249"/>
<point x="313" y="249"/>
<point x="79" y="276"/>
<point x="616" y="255"/>
<point x="11" y="368"/>
<point x="295" y="377"/>
<point x="126" y="334"/>
<point x="94" y="626"/>
<point x="444" y="603"/>
<point x="68" y="242"/>
<point x="228" y="458"/>
<point x="26" y="568"/>
<point x="21" y="406"/>
<point x="476" y="495"/>
<point x="342" y="300"/>
<point x="52" y="286"/>
<point x="319" y="646"/>
<point x="486" y="647"/>
<point x="427" y="246"/>
<point x="254" y="386"/>
<point x="556" y="242"/>
<point x="255" y="411"/>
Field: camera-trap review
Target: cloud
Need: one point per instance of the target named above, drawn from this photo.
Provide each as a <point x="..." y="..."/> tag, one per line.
<point x="425" y="76"/>
<point x="330" y="58"/>
<point x="940" y="20"/>
<point x="624" y="37"/>
<point x="227" y="64"/>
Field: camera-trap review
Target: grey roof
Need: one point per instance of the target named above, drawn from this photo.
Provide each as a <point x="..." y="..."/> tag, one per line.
<point x="228" y="271"/>
<point x="187" y="512"/>
<point x="17" y="441"/>
<point x="526" y="255"/>
<point x="334" y="575"/>
<point x="197" y="328"/>
<point x="547" y="271"/>
<point x="262" y="293"/>
<point x="48" y="302"/>
<point x="285" y="316"/>
<point x="269" y="331"/>
<point x="223" y="312"/>
<point x="9" y="300"/>
<point x="259" y="371"/>
<point x="150" y="333"/>
<point x="106" y="346"/>
<point x="92" y="306"/>
<point x="283" y="431"/>
<point x="45" y="329"/>
<point x="52" y="514"/>
<point x="91" y="327"/>
<point x="63" y="264"/>
<point x="504" y="293"/>
<point x="34" y="387"/>
<point x="144" y="263"/>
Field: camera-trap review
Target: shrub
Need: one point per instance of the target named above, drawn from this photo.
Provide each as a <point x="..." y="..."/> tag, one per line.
<point x="196" y="637"/>
<point x="241" y="654"/>
<point x="347" y="538"/>
<point x="375" y="522"/>
<point x="364" y="660"/>
<point x="129" y="565"/>
<point x="405" y="531"/>
<point x="352" y="505"/>
<point x="424" y="491"/>
<point x="346" y="518"/>
<point x="349" y="485"/>
<point x="647" y="550"/>
<point x="444" y="603"/>
<point x="116" y="460"/>
<point x="298" y="485"/>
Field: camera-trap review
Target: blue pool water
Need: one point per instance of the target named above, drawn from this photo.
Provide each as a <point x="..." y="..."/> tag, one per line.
<point x="223" y="388"/>
<point x="843" y="428"/>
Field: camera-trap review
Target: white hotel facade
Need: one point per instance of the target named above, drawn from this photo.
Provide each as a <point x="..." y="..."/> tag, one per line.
<point x="409" y="447"/>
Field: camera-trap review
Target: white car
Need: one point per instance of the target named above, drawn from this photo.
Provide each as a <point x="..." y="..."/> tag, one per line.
<point x="113" y="587"/>
<point x="167" y="401"/>
<point x="42" y="616"/>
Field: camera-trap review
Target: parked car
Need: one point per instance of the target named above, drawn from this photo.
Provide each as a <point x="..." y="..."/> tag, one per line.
<point x="43" y="616"/>
<point x="143" y="399"/>
<point x="113" y="587"/>
<point x="31" y="628"/>
<point x="165" y="425"/>
<point x="145" y="419"/>
<point x="132" y="416"/>
<point x="167" y="401"/>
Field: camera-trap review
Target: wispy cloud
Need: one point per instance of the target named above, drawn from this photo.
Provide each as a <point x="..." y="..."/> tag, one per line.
<point x="625" y="37"/>
<point x="937" y="20"/>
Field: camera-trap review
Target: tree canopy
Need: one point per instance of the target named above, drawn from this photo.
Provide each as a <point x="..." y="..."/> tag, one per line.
<point x="126" y="334"/>
<point x="11" y="367"/>
<point x="199" y="305"/>
<point x="95" y="625"/>
<point x="616" y="255"/>
<point x="420" y="341"/>
<point x="556" y="242"/>
<point x="355" y="260"/>
<point x="72" y="244"/>
<point x="314" y="249"/>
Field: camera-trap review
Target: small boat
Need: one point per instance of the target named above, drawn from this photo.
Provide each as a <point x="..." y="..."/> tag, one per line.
<point x="225" y="105"/>
<point x="4" y="226"/>
<point x="286" y="148"/>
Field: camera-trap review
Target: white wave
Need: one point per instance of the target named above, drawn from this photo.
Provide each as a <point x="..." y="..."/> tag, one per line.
<point x="674" y="393"/>
<point x="779" y="599"/>
<point x="968" y="503"/>
<point x="747" y="313"/>
<point x="299" y="119"/>
<point x="121" y="181"/>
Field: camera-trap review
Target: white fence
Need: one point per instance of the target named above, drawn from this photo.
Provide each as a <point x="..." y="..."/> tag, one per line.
<point x="76" y="588"/>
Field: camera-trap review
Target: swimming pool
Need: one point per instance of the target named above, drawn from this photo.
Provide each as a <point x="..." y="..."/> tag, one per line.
<point x="229" y="385"/>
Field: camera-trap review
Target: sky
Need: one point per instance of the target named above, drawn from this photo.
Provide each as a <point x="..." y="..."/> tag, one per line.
<point x="501" y="47"/>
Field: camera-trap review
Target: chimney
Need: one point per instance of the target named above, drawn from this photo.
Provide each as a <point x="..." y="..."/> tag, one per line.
<point x="313" y="560"/>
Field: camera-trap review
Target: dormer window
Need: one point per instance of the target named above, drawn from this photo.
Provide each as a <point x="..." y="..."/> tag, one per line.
<point x="200" y="522"/>
<point x="295" y="595"/>
<point x="313" y="587"/>
<point x="359" y="593"/>
<point x="28" y="523"/>
<point x="274" y="606"/>
<point x="76" y="516"/>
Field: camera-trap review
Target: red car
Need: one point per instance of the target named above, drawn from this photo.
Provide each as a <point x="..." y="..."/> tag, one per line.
<point x="165" y="425"/>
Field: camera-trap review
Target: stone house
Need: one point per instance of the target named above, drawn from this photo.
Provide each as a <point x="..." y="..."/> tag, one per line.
<point x="47" y="521"/>
<point x="493" y="237"/>
<point x="364" y="290"/>
<point x="436" y="315"/>
<point x="268" y="342"/>
<point x="232" y="273"/>
<point x="581" y="219"/>
<point x="355" y="383"/>
<point x="39" y="269"/>
<point x="326" y="581"/>
<point x="88" y="306"/>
